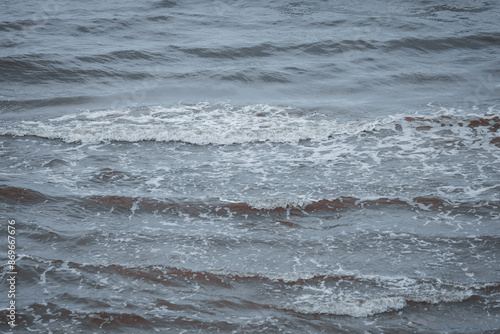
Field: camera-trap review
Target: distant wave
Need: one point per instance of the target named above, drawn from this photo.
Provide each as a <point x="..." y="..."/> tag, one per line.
<point x="39" y="68"/>
<point x="476" y="41"/>
<point x="22" y="105"/>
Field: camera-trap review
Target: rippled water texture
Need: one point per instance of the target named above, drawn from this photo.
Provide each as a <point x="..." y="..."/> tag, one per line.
<point x="251" y="167"/>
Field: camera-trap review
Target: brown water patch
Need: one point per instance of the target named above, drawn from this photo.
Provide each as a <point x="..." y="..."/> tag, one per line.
<point x="445" y="120"/>
<point x="121" y="204"/>
<point x="115" y="320"/>
<point x="495" y="141"/>
<point x="490" y="289"/>
<point x="240" y="208"/>
<point x="496" y="124"/>
<point x="287" y="224"/>
<point x="337" y="204"/>
<point x="14" y="195"/>
<point x="479" y="122"/>
<point x="240" y="305"/>
<point x="169" y="276"/>
<point x="421" y="119"/>
<point x="431" y="202"/>
<point x="118" y="202"/>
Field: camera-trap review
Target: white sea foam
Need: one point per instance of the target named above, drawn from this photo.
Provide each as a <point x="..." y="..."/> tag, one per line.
<point x="275" y="203"/>
<point x="329" y="301"/>
<point x="309" y="304"/>
<point x="198" y="124"/>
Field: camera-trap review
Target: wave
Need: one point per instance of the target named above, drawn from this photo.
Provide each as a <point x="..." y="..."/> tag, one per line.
<point x="255" y="76"/>
<point x="290" y="206"/>
<point x="43" y="67"/>
<point x="456" y="9"/>
<point x="14" y="67"/>
<point x="298" y="207"/>
<point x="119" y="204"/>
<point x="199" y="124"/>
<point x="159" y="272"/>
<point x="40" y="313"/>
<point x="313" y="304"/>
<point x="16" y="195"/>
<point x="16" y="25"/>
<point x="336" y="293"/>
<point x="54" y="317"/>
<point x="322" y="47"/>
<point x="122" y="55"/>
<point x="22" y="105"/>
<point x="224" y="277"/>
<point x="473" y="42"/>
<point x="204" y="124"/>
<point x="259" y="50"/>
<point x="116" y="64"/>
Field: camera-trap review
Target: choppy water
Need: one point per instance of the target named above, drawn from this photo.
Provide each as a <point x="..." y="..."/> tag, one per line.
<point x="247" y="167"/>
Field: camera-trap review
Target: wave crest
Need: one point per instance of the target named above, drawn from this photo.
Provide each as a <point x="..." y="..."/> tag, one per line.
<point x="314" y="304"/>
<point x="199" y="124"/>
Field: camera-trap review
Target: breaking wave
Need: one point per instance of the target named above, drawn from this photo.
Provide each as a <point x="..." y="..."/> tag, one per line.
<point x="204" y="124"/>
<point x="197" y="124"/>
